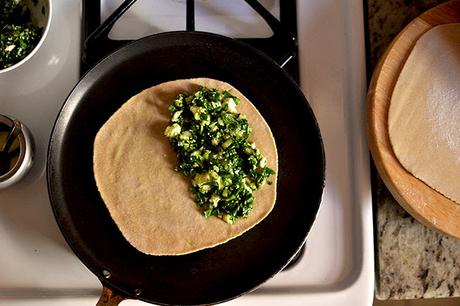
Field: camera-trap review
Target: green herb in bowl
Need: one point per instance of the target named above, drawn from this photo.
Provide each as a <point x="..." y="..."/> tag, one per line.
<point x="18" y="33"/>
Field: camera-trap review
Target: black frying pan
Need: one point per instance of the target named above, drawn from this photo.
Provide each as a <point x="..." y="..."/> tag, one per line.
<point x="208" y="276"/>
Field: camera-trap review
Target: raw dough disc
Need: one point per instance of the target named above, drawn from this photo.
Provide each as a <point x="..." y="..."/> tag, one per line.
<point x="424" y="115"/>
<point x="150" y="202"/>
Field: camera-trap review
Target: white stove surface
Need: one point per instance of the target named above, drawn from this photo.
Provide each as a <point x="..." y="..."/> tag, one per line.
<point x="38" y="268"/>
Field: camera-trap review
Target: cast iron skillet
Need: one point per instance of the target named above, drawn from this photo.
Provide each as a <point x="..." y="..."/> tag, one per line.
<point x="208" y="276"/>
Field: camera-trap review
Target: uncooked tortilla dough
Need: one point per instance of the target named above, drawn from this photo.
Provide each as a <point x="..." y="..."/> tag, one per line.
<point x="424" y="115"/>
<point x="151" y="203"/>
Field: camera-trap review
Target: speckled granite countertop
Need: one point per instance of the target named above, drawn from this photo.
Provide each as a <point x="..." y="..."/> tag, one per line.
<point x="412" y="261"/>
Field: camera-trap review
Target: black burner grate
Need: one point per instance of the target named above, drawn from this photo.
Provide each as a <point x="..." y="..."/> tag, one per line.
<point x="281" y="46"/>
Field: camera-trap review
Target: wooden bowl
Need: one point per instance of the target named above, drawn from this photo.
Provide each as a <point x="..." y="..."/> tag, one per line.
<point x="424" y="203"/>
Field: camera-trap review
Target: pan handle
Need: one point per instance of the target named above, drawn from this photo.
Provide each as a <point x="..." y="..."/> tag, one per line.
<point x="109" y="297"/>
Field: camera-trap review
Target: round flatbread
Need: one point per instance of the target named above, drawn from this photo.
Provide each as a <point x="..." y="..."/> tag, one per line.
<point x="151" y="203"/>
<point x="424" y="114"/>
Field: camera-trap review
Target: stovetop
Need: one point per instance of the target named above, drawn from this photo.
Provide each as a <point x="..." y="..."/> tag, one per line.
<point x="37" y="266"/>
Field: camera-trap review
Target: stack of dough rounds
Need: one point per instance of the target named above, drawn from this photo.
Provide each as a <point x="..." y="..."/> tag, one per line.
<point x="424" y="115"/>
<point x="152" y="204"/>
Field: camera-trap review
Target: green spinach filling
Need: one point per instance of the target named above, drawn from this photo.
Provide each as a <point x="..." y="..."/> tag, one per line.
<point x="211" y="141"/>
<point x="18" y="36"/>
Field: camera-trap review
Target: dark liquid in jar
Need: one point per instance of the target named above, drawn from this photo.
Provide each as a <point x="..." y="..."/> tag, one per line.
<point x="8" y="158"/>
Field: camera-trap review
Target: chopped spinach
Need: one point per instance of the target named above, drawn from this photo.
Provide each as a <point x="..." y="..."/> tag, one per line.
<point x="18" y="36"/>
<point x="211" y="141"/>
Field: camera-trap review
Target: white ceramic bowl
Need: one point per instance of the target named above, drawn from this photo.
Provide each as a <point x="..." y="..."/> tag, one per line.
<point x="41" y="11"/>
